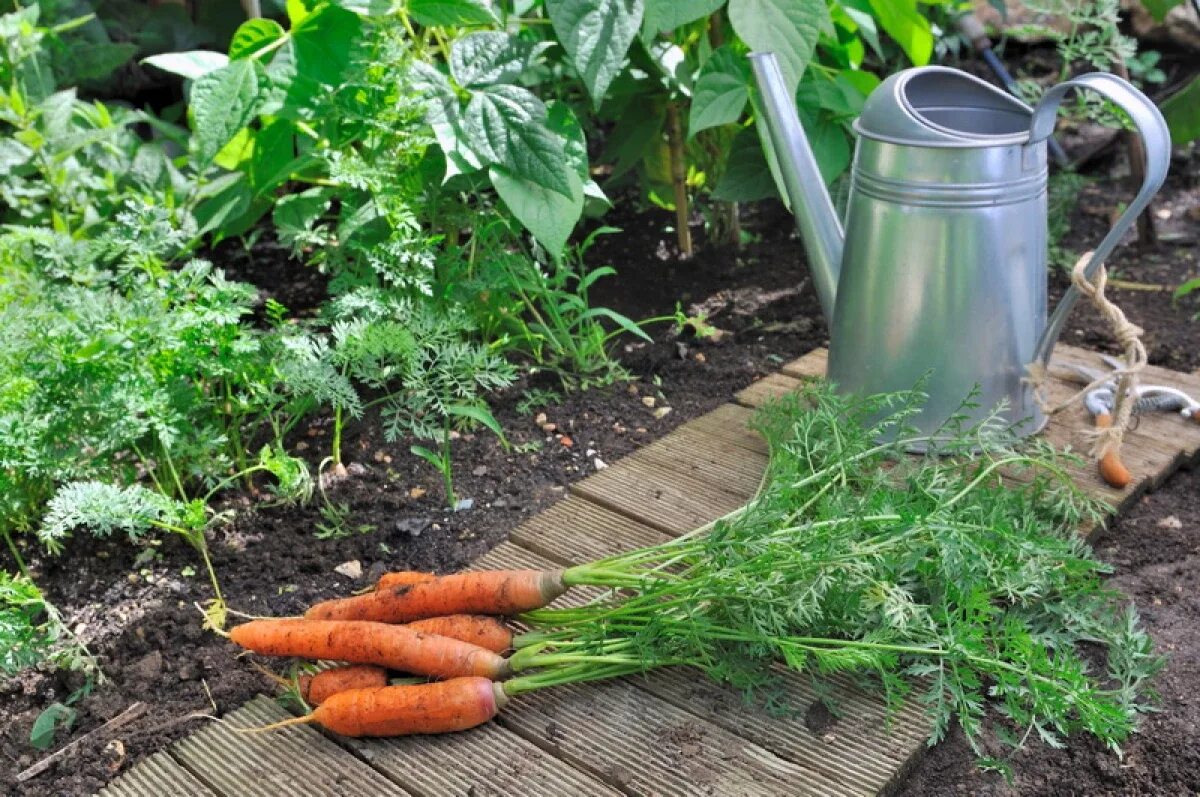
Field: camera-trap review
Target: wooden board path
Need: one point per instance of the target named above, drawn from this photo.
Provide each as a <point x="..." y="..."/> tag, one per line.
<point x="667" y="733"/>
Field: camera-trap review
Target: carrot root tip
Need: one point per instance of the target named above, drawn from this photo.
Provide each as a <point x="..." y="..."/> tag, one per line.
<point x="305" y="720"/>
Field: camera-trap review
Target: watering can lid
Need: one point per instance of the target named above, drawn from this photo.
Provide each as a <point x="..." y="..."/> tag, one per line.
<point x="935" y="106"/>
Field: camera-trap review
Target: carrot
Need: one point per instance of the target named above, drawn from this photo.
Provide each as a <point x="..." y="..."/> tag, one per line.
<point x="396" y="647"/>
<point x="441" y="707"/>
<point x="486" y="632"/>
<point x="1112" y="470"/>
<point x="402" y="577"/>
<point x="317" y="688"/>
<point x="490" y="592"/>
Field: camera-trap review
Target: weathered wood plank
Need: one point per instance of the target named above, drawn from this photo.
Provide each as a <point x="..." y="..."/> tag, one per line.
<point x="767" y="388"/>
<point x="645" y="746"/>
<point x="658" y="496"/>
<point x="729" y="423"/>
<point x="488" y="761"/>
<point x="156" y="776"/>
<point x="862" y="748"/>
<point x="810" y="365"/>
<point x="289" y="761"/>
<point x="694" y="453"/>
<point x="575" y="531"/>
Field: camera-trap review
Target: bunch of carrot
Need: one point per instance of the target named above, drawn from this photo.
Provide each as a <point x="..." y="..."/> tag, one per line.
<point x="439" y="627"/>
<point x="852" y="557"/>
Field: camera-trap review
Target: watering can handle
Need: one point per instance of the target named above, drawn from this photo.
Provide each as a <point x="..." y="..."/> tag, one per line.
<point x="1157" y="140"/>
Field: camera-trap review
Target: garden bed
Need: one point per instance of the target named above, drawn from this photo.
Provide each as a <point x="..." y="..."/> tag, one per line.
<point x="146" y="632"/>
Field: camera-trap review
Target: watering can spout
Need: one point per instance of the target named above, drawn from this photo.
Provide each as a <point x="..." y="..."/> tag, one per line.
<point x="820" y="230"/>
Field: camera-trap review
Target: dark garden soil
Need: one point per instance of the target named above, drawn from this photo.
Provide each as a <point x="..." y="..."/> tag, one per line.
<point x="136" y="607"/>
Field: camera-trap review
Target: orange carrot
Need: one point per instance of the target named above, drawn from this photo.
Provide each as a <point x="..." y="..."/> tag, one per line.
<point x="317" y="688"/>
<point x="402" y="577"/>
<point x="490" y="592"/>
<point x="396" y="647"/>
<point x="1112" y="470"/>
<point x="442" y="707"/>
<point x="486" y="632"/>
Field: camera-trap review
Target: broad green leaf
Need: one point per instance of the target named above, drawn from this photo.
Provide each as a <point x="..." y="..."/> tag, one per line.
<point x="904" y="23"/>
<point x="445" y="117"/>
<point x="222" y="103"/>
<point x="829" y="144"/>
<point x="480" y="414"/>
<point x="298" y="10"/>
<point x="721" y="91"/>
<point x="226" y="199"/>
<point x="788" y="28"/>
<point x="98" y="60"/>
<point x="839" y="95"/>
<point x="488" y="57"/>
<point x="664" y="15"/>
<point x="865" y="27"/>
<point x="506" y="125"/>
<point x="54" y="716"/>
<point x="190" y="65"/>
<point x="253" y="35"/>
<point x="862" y="82"/>
<point x="747" y="177"/>
<point x="1182" y="112"/>
<point x="239" y="149"/>
<point x="1159" y="8"/>
<point x="274" y="156"/>
<point x="596" y="35"/>
<point x="562" y="121"/>
<point x="324" y="42"/>
<point x="547" y="214"/>
<point x="451" y="13"/>
<point x="366" y="8"/>
<point x="295" y="214"/>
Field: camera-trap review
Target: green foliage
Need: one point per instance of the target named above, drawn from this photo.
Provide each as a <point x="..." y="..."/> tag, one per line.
<point x="925" y="576"/>
<point x="1182" y="112"/>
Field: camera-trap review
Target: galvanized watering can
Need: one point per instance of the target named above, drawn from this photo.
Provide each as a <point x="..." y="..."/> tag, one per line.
<point x="941" y="270"/>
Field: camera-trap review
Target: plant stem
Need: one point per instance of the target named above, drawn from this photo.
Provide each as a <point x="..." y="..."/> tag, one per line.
<point x="679" y="179"/>
<point x="16" y="555"/>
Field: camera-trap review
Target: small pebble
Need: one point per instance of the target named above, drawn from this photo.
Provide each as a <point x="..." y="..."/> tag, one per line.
<point x="479" y="470"/>
<point x="352" y="569"/>
<point x="662" y="412"/>
<point x="541" y="419"/>
<point x="649" y="401"/>
<point x="599" y="464"/>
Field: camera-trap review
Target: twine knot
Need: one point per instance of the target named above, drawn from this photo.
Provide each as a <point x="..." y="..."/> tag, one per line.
<point x="1104" y="440"/>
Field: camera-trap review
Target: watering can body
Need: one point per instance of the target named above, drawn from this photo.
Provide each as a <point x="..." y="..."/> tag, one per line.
<point x="940" y="279"/>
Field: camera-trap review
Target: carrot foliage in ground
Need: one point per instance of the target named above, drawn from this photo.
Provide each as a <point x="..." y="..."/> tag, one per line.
<point x="925" y="576"/>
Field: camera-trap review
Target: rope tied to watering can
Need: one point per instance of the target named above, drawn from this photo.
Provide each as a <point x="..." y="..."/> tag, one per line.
<point x="1110" y="431"/>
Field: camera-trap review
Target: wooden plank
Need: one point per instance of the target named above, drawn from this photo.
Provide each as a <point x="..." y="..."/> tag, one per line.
<point x="575" y="531"/>
<point x="1166" y="427"/>
<point x="809" y="366"/>
<point x="862" y="749"/>
<point x="657" y="496"/>
<point x="296" y="760"/>
<point x="155" y="776"/>
<point x="645" y="746"/>
<point x="729" y="423"/>
<point x="767" y="388"/>
<point x="694" y="453"/>
<point x="482" y="762"/>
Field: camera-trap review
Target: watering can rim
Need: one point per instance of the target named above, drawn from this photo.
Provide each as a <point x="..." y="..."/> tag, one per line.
<point x="889" y="116"/>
